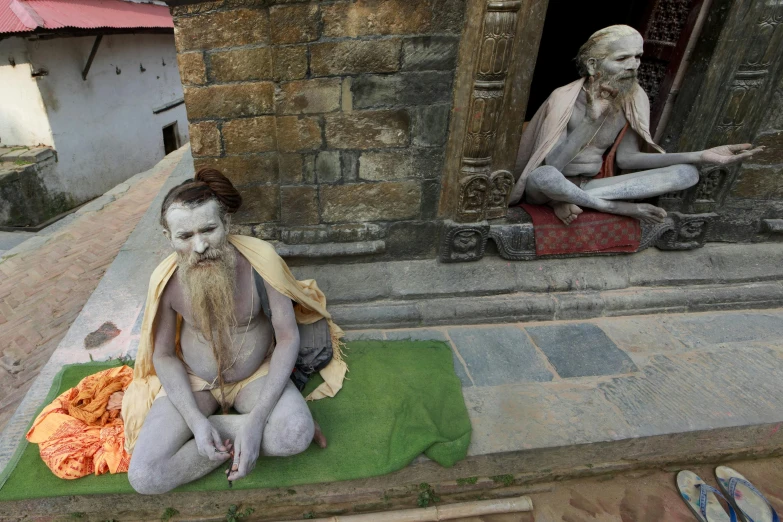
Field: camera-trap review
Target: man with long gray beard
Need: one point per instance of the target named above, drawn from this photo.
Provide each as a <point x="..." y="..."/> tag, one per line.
<point x="564" y="152"/>
<point x="206" y="344"/>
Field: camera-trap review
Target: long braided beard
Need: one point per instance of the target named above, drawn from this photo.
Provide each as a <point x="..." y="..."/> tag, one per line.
<point x="208" y="280"/>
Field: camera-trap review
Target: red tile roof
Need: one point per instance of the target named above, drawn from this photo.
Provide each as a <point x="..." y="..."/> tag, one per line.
<point x="27" y="15"/>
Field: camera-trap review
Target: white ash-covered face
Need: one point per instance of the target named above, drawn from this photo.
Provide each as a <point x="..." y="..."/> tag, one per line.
<point x="620" y="62"/>
<point x="197" y="234"/>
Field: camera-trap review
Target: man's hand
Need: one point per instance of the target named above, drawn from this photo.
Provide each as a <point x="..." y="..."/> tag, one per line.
<point x="599" y="98"/>
<point x="247" y="448"/>
<point x="725" y="154"/>
<point x="208" y="441"/>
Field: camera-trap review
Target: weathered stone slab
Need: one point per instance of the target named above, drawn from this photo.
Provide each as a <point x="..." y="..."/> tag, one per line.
<point x="298" y="133"/>
<point x="429" y="53"/>
<point x="367" y="129"/>
<point x="289" y="62"/>
<point x="640" y="335"/>
<point x="221" y="29"/>
<point x="309" y="96"/>
<point x="401" y="90"/>
<point x="299" y="205"/>
<point x="205" y="139"/>
<point x="294" y="23"/>
<point x="535" y="415"/>
<point x="246" y="169"/>
<point x="759" y="182"/>
<point x="355" y="57"/>
<point x="370" y="202"/>
<point x="430" y="125"/>
<point x="291" y="169"/>
<point x="713" y="390"/>
<point x="368" y="17"/>
<point x="192" y="70"/>
<point x="393" y="165"/>
<point x="499" y="355"/>
<point x="250" y="135"/>
<point x="580" y="350"/>
<point x="259" y="204"/>
<point x="364" y="335"/>
<point x="241" y="65"/>
<point x="700" y="331"/>
<point x="327" y="167"/>
<point x="229" y="101"/>
<point x="416" y="334"/>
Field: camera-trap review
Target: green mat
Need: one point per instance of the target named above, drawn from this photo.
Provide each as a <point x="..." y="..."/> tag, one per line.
<point x="401" y="398"/>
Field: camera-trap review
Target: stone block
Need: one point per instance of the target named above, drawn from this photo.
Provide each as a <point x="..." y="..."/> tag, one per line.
<point x="370" y="202"/>
<point x="376" y="17"/>
<point x="393" y="165"/>
<point x="350" y="166"/>
<point x="192" y="70"/>
<point x="308" y="168"/>
<point x="413" y="239"/>
<point x="299" y="206"/>
<point x="758" y="183"/>
<point x="309" y="96"/>
<point x="297" y="133"/>
<point x="463" y="242"/>
<point x="327" y="167"/>
<point x="241" y="65"/>
<point x="259" y="204"/>
<point x="294" y="23"/>
<point x="773" y="155"/>
<point x="221" y="29"/>
<point x="355" y="57"/>
<point x="499" y="355"/>
<point x="430" y="198"/>
<point x="430" y="125"/>
<point x="401" y="90"/>
<point x="246" y="169"/>
<point x="430" y="53"/>
<point x="450" y="16"/>
<point x="250" y="135"/>
<point x="291" y="166"/>
<point x="363" y="335"/>
<point x="700" y="332"/>
<point x="581" y="350"/>
<point x="289" y="62"/>
<point x="229" y="101"/>
<point x="205" y="138"/>
<point x="416" y="334"/>
<point x="367" y="129"/>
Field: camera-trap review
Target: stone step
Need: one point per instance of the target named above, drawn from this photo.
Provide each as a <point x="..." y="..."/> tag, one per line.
<point x="25" y="155"/>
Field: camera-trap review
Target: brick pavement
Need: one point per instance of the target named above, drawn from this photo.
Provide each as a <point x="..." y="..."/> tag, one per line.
<point x="43" y="290"/>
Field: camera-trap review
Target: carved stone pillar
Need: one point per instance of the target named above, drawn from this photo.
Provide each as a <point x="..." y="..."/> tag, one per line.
<point x="726" y="102"/>
<point x="496" y="62"/>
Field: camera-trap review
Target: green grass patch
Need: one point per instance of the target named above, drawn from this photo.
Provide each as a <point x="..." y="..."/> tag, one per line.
<point x="467" y="481"/>
<point x="506" y="480"/>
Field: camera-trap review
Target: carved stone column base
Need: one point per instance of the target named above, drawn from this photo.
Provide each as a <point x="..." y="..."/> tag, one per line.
<point x="463" y="241"/>
<point x="689" y="231"/>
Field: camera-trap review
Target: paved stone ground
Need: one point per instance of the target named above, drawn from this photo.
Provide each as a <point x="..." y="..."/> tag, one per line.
<point x="9" y="240"/>
<point x="43" y="288"/>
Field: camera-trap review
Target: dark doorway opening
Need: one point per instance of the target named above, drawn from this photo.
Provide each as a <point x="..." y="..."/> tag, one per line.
<point x="567" y="26"/>
<point x="170" y="138"/>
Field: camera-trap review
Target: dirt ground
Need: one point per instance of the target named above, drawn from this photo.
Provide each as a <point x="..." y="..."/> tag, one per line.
<point x="643" y="496"/>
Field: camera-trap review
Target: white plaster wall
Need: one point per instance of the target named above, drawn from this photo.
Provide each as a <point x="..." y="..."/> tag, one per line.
<point x="103" y="128"/>
<point x="23" y="119"/>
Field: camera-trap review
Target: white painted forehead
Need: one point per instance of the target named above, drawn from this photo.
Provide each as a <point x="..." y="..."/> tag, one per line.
<point x="185" y="213"/>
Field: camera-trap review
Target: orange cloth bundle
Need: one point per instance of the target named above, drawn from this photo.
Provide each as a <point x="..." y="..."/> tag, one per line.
<point x="77" y="435"/>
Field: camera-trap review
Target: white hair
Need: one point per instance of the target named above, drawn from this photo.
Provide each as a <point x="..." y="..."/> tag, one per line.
<point x="597" y="45"/>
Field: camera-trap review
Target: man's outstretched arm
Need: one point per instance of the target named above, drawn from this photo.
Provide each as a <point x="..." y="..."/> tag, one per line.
<point x="247" y="445"/>
<point x="174" y="378"/>
<point x="630" y="156"/>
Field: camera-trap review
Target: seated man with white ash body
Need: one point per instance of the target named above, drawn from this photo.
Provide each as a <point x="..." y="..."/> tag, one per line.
<point x="563" y="148"/>
<point x="214" y="348"/>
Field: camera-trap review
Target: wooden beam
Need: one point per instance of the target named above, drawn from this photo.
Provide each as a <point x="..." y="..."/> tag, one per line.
<point x="92" y="56"/>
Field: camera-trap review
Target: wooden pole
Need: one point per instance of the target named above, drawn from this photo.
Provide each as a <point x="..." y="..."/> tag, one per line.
<point x="446" y="512"/>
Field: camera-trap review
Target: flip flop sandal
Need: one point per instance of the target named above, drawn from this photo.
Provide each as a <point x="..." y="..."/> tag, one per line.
<point x="751" y="504"/>
<point x="703" y="499"/>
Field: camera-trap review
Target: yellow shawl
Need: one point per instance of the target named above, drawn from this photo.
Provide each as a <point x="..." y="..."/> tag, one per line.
<point x="310" y="306"/>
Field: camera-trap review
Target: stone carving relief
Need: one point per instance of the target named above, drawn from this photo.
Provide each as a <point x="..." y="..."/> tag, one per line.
<point x="491" y="72"/>
<point x="690" y="231"/>
<point x="463" y="242"/>
<point x="500" y="184"/>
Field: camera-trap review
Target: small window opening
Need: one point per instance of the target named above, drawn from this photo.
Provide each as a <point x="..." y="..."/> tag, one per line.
<point x="170" y="138"/>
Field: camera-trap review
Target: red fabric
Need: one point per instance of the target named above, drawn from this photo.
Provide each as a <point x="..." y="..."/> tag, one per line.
<point x="592" y="231"/>
<point x="607" y="168"/>
<point x="83" y="14"/>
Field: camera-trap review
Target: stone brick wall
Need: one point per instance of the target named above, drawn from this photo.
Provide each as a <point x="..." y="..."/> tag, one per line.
<point x="331" y="117"/>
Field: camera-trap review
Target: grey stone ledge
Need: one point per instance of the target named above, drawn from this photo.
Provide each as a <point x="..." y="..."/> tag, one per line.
<point x="321" y="250"/>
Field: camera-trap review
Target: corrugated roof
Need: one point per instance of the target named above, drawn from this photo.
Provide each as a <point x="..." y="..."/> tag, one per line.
<point x="27" y="15"/>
